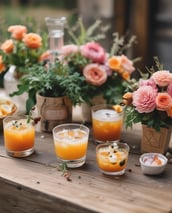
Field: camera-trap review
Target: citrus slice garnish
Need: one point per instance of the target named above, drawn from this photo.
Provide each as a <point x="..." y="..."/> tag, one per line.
<point x="117" y="108"/>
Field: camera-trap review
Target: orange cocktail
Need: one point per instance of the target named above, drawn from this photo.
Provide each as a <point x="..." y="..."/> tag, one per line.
<point x="107" y="123"/>
<point x="19" y="136"/>
<point x="112" y="157"/>
<point x="70" y="142"/>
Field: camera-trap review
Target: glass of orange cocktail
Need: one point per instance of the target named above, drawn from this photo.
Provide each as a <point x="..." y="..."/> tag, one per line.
<point x="112" y="157"/>
<point x="107" y="121"/>
<point x="70" y="143"/>
<point x="19" y="136"/>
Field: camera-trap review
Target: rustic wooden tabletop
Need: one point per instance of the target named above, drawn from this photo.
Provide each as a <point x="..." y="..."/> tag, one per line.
<point x="35" y="184"/>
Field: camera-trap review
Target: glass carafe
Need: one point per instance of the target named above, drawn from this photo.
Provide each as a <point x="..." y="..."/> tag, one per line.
<point x="56" y="35"/>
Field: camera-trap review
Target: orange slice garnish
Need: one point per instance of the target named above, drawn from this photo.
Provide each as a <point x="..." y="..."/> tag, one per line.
<point x="117" y="108"/>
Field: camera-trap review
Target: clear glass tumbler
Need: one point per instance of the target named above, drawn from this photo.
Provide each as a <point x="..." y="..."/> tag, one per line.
<point x="112" y="157"/>
<point x="19" y="136"/>
<point x="70" y="143"/>
<point x="106" y="123"/>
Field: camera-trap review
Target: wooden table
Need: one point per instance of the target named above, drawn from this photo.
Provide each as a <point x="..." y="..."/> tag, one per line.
<point x="34" y="184"/>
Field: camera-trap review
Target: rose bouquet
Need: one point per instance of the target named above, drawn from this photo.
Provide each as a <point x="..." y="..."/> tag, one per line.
<point x="99" y="72"/>
<point x="91" y="70"/>
<point x="151" y="101"/>
<point x="22" y="49"/>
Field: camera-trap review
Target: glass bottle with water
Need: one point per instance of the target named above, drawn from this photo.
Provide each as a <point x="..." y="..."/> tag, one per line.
<point x="56" y="35"/>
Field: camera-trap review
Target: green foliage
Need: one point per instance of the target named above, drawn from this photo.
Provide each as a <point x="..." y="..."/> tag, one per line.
<point x="80" y="35"/>
<point x="53" y="80"/>
<point x="121" y="43"/>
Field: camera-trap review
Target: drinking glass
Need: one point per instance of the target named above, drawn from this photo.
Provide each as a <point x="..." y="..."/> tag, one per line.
<point x="112" y="157"/>
<point x="19" y="136"/>
<point x="70" y="143"/>
<point x="106" y="123"/>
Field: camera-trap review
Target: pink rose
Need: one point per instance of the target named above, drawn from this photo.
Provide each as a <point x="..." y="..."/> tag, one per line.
<point x="94" y="51"/>
<point x="148" y="82"/>
<point x="127" y="64"/>
<point x="144" y="99"/>
<point x="95" y="74"/>
<point x="69" y="49"/>
<point x="162" y="78"/>
<point x="163" y="101"/>
<point x="169" y="89"/>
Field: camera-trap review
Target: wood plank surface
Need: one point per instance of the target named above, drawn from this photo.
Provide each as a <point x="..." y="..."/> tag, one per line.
<point x="34" y="184"/>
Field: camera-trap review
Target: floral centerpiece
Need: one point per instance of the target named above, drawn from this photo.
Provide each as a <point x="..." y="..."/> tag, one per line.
<point x="150" y="102"/>
<point x="99" y="72"/>
<point x="22" y="49"/>
<point x="89" y="69"/>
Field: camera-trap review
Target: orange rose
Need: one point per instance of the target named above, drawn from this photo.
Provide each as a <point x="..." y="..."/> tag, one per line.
<point x="163" y="101"/>
<point x="32" y="40"/>
<point x="8" y="46"/>
<point x="127" y="98"/>
<point x="2" y="66"/>
<point x="169" y="112"/>
<point x="125" y="75"/>
<point x="18" y="31"/>
<point x="45" y="56"/>
<point x="115" y="63"/>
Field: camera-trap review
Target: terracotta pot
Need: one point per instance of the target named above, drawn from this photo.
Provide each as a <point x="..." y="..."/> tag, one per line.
<point x="154" y="141"/>
<point x="53" y="111"/>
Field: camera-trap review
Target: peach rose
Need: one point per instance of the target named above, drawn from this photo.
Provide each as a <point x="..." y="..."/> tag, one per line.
<point x="127" y="64"/>
<point x="32" y="40"/>
<point x="162" y="78"/>
<point x="18" y="31"/>
<point x="95" y="74"/>
<point x="8" y="46"/>
<point x="163" y="101"/>
<point x="2" y="65"/>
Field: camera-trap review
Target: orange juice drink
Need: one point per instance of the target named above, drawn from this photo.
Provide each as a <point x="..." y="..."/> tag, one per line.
<point x="112" y="158"/>
<point x="19" y="136"/>
<point x="70" y="143"/>
<point x="106" y="123"/>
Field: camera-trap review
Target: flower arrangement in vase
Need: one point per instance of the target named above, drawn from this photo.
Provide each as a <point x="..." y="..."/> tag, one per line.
<point x="17" y="54"/>
<point x="99" y="72"/>
<point x="22" y="49"/>
<point x="150" y="103"/>
<point x="91" y="70"/>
